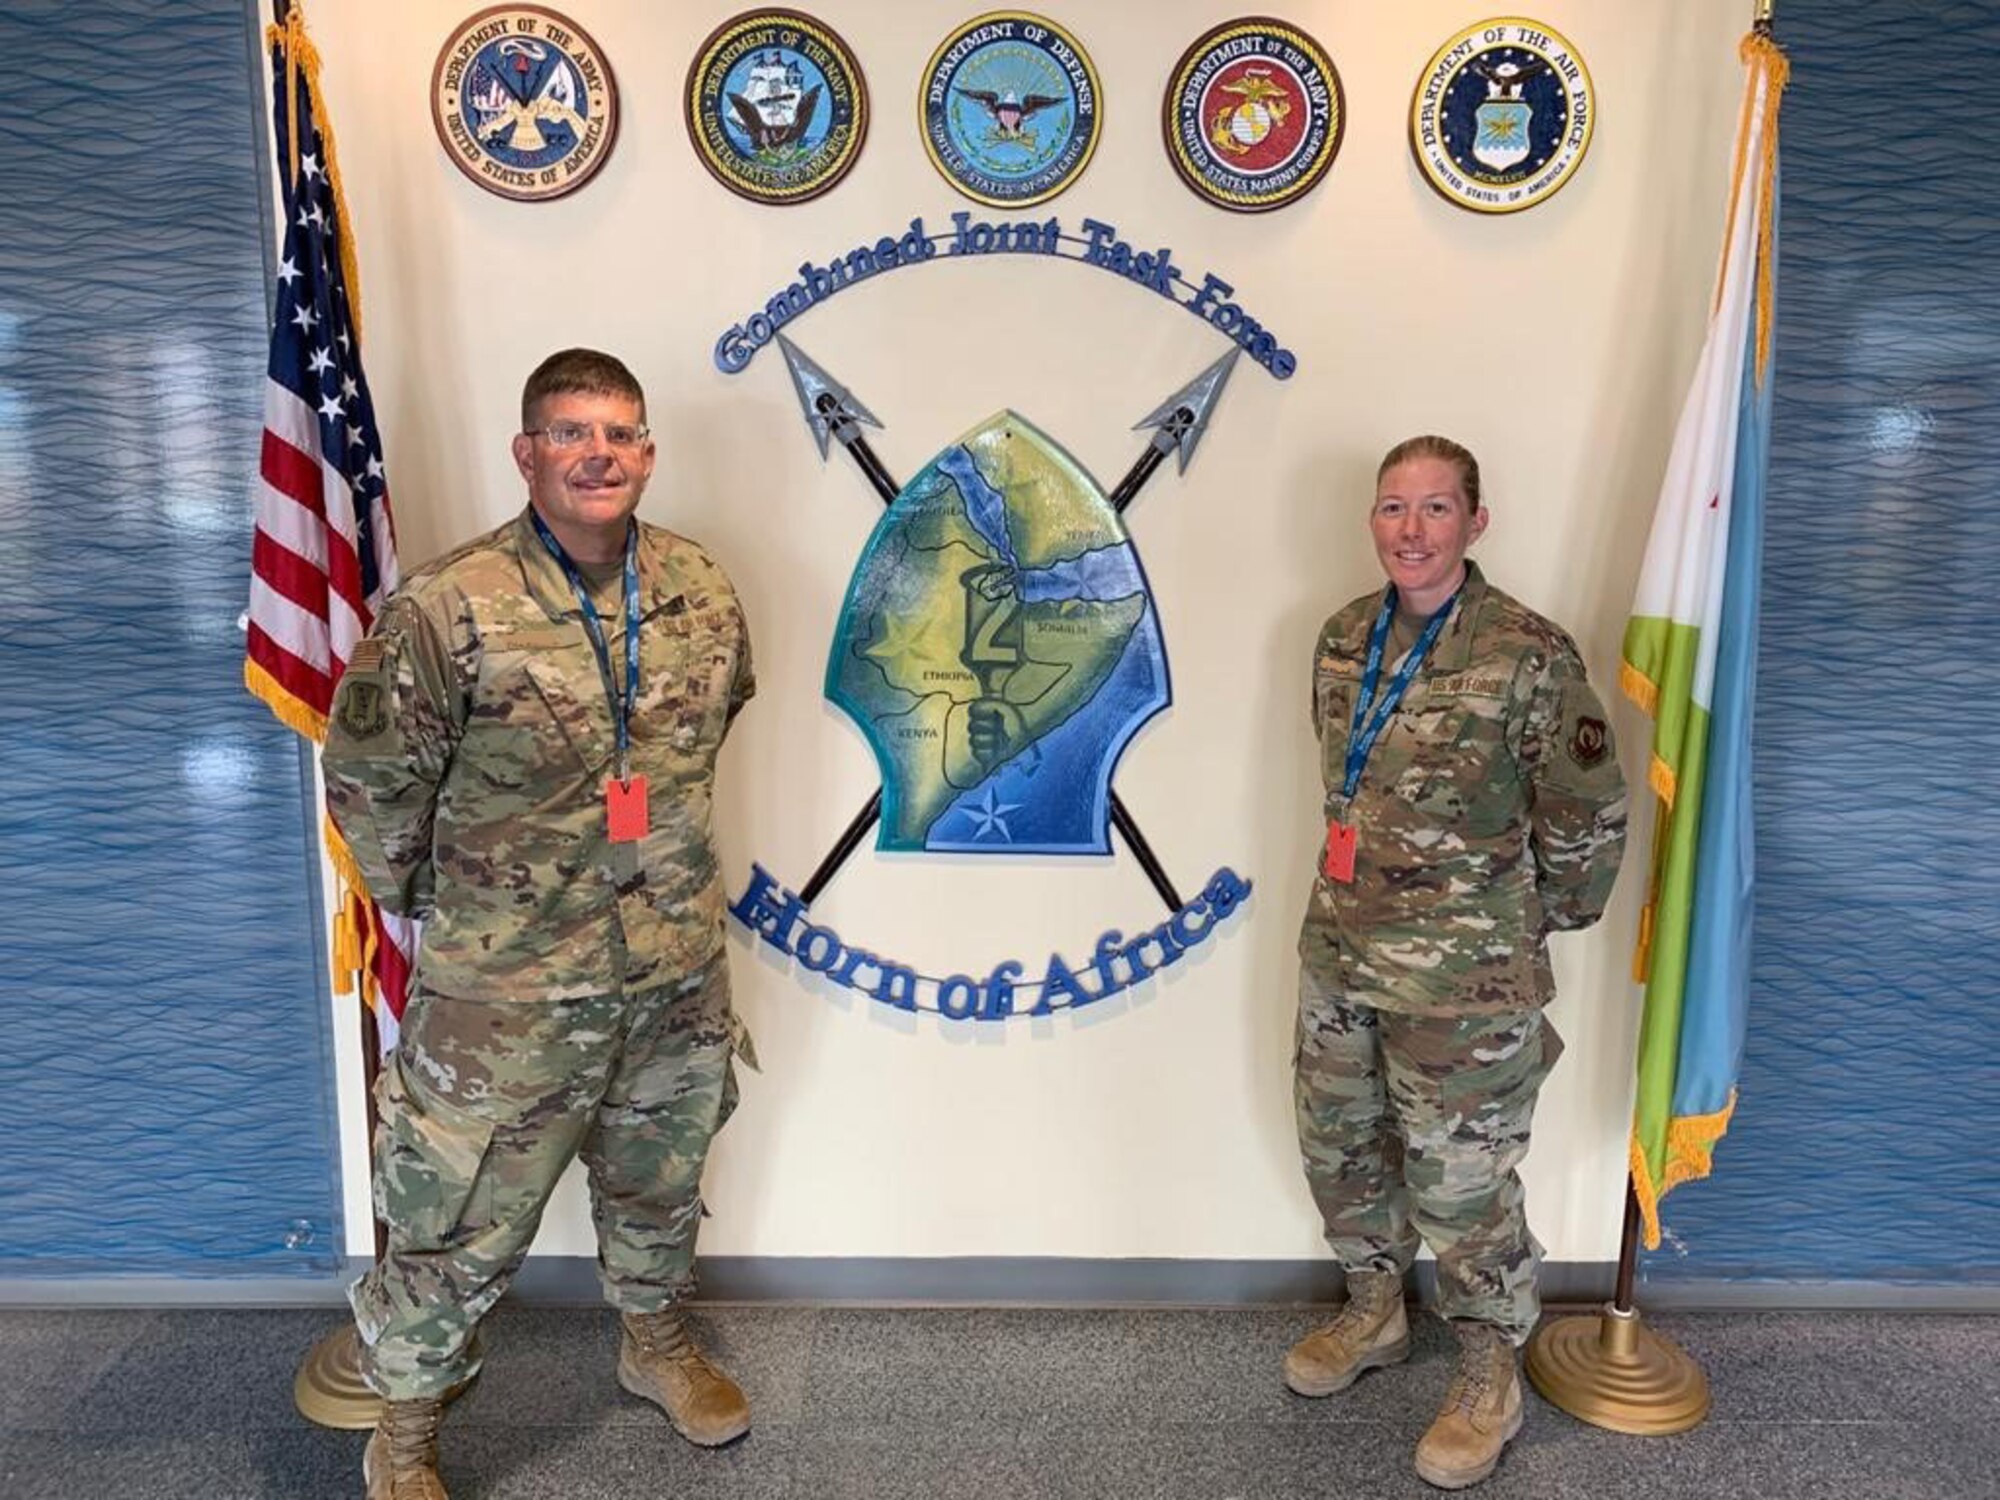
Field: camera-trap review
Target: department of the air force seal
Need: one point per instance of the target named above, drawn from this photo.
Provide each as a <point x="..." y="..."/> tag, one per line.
<point x="524" y="102"/>
<point x="1253" y="114"/>
<point x="1502" y="116"/>
<point x="776" y="106"/>
<point x="1011" y="109"/>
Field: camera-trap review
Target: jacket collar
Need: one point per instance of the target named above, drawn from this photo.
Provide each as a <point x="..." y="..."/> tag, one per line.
<point x="1454" y="648"/>
<point x="660" y="577"/>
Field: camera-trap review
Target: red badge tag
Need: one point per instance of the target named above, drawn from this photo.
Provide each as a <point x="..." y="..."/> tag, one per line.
<point x="1339" y="863"/>
<point x="625" y="809"/>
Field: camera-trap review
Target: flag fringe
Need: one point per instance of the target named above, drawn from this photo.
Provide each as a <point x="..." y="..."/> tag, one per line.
<point x="1639" y="688"/>
<point x="293" y="712"/>
<point x="300" y="54"/>
<point x="1662" y="778"/>
<point x="1691" y="1141"/>
<point x="1760" y="52"/>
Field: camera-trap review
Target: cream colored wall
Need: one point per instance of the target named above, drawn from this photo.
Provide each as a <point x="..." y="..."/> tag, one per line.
<point x="1555" y="342"/>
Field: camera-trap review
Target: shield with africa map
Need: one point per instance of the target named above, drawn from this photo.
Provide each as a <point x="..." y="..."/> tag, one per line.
<point x="998" y="648"/>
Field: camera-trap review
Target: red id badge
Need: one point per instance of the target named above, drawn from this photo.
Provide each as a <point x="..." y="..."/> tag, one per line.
<point x="1339" y="862"/>
<point x="625" y="809"/>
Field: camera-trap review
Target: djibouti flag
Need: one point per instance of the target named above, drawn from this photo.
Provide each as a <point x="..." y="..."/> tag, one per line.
<point x="1690" y="662"/>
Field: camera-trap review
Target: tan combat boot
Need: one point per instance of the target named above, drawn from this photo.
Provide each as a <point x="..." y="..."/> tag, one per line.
<point x="1372" y="1330"/>
<point x="658" y="1361"/>
<point x="401" y="1460"/>
<point x="1481" y="1413"/>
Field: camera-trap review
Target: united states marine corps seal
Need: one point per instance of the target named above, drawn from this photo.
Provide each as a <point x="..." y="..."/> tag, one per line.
<point x="776" y="106"/>
<point x="1502" y="116"/>
<point x="1253" y="115"/>
<point x="1010" y="108"/>
<point x="524" y="102"/>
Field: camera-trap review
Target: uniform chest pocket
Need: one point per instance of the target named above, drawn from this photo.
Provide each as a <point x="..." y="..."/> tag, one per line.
<point x="1334" y="685"/>
<point x="684" y="697"/>
<point x="1460" y="767"/>
<point x="537" y="714"/>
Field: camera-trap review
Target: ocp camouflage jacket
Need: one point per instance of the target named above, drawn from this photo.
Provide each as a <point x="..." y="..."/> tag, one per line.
<point x="467" y="752"/>
<point x="1491" y="813"/>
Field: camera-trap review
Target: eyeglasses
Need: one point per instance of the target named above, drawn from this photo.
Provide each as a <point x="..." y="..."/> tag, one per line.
<point x="576" y="434"/>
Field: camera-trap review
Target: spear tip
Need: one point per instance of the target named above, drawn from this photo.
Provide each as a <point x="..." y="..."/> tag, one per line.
<point x="831" y="410"/>
<point x="1183" y="417"/>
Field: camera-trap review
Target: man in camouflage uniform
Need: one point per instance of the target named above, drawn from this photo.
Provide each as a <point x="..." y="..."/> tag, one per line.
<point x="571" y="996"/>
<point x="1489" y="812"/>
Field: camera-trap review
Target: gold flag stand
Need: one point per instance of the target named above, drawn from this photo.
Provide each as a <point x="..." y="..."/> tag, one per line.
<point x="329" y="1390"/>
<point x="1609" y="1369"/>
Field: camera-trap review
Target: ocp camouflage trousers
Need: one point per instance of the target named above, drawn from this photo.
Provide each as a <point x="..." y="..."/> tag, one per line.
<point x="1411" y="1128"/>
<point x="482" y="1107"/>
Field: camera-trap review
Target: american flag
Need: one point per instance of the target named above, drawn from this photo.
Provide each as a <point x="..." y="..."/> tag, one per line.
<point x="324" y="559"/>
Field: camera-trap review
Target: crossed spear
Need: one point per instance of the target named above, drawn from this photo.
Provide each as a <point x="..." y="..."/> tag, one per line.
<point x="834" y="415"/>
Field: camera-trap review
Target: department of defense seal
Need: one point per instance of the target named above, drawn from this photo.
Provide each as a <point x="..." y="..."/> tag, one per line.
<point x="1011" y="109"/>
<point x="1253" y="114"/>
<point x="776" y="106"/>
<point x="1502" y="115"/>
<point x="524" y="102"/>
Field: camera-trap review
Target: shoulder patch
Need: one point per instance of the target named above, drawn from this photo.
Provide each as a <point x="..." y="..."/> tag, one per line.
<point x="368" y="655"/>
<point x="363" y="705"/>
<point x="1589" y="743"/>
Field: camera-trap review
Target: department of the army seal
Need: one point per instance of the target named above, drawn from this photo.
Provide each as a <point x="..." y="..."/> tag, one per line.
<point x="776" y="106"/>
<point x="1010" y="108"/>
<point x="1253" y="114"/>
<point x="524" y="102"/>
<point x="1502" y="115"/>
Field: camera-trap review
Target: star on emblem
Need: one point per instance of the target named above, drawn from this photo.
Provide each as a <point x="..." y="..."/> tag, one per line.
<point x="989" y="816"/>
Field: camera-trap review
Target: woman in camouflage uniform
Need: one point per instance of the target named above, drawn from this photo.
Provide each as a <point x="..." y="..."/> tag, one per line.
<point x="1474" y="804"/>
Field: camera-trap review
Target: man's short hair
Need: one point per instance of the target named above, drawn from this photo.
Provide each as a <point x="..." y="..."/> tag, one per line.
<point x="589" y="371"/>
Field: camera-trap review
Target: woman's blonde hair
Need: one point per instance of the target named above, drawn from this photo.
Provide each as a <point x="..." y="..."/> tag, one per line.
<point x="1430" y="445"/>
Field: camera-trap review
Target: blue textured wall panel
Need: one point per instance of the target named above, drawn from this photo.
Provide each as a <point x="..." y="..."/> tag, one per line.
<point x="165" y="1101"/>
<point x="1867" y="1134"/>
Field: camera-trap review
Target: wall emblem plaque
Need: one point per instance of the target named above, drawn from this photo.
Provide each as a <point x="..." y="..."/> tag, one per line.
<point x="997" y="650"/>
<point x="1253" y="114"/>
<point x="1010" y="109"/>
<point x="524" y="102"/>
<point x="1502" y="116"/>
<point x="777" y="107"/>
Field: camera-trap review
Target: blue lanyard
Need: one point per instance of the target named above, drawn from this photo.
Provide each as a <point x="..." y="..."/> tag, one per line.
<point x="621" y="704"/>
<point x="1361" y="739"/>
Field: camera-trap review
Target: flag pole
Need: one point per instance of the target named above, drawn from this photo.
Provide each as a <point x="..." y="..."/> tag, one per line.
<point x="1609" y="1368"/>
<point x="329" y="1388"/>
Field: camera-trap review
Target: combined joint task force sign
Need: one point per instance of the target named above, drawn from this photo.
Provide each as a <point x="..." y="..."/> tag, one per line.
<point x="1253" y="115"/>
<point x="524" y="102"/>
<point x="777" y="106"/>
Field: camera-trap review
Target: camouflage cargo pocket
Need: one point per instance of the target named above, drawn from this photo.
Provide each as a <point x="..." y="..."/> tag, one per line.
<point x="427" y="1163"/>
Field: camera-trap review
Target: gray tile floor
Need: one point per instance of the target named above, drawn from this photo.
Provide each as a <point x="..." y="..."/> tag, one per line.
<point x="1017" y="1405"/>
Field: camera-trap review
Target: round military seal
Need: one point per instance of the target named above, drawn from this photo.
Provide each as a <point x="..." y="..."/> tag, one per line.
<point x="1011" y="109"/>
<point x="524" y="102"/>
<point x="776" y="106"/>
<point x="1502" y="115"/>
<point x="1253" y="114"/>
